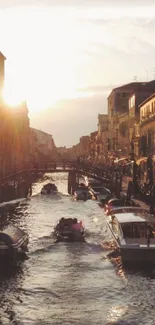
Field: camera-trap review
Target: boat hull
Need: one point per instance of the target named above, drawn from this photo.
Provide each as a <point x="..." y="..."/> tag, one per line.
<point x="13" y="241"/>
<point x="69" y="236"/>
<point x="43" y="191"/>
<point x="143" y="256"/>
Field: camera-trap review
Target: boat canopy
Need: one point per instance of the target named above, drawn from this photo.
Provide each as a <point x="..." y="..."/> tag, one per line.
<point x="11" y="235"/>
<point x="128" y="217"/>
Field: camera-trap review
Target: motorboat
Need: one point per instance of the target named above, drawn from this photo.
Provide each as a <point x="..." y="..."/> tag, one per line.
<point x="69" y="229"/>
<point x="100" y="192"/>
<point x="91" y="182"/>
<point x="103" y="199"/>
<point x="13" y="240"/>
<point x="115" y="203"/>
<point x="133" y="230"/>
<point x="82" y="193"/>
<point x="49" y="188"/>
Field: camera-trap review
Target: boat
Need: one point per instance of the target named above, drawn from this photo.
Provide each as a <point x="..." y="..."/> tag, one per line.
<point x="133" y="230"/>
<point x="91" y="182"/>
<point x="82" y="193"/>
<point x="13" y="240"/>
<point x="115" y="203"/>
<point x="69" y="229"/>
<point x="100" y="192"/>
<point x="49" y="188"/>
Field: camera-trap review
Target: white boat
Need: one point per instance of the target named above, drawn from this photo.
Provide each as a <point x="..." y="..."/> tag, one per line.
<point x="133" y="230"/>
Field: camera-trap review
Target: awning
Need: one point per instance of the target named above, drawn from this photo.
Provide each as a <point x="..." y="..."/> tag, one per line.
<point x="143" y="159"/>
<point x="119" y="160"/>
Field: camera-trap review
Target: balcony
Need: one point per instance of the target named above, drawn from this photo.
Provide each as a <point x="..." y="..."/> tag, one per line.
<point x="147" y="118"/>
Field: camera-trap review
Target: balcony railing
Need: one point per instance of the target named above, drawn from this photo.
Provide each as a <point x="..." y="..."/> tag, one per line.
<point x="146" y="117"/>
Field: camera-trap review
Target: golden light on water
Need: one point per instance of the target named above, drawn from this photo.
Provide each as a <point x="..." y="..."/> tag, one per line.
<point x="115" y="313"/>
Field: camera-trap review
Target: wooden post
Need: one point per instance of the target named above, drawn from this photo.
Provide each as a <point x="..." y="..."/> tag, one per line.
<point x="72" y="184"/>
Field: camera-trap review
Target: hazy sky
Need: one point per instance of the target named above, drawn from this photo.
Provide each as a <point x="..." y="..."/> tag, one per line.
<point x="65" y="56"/>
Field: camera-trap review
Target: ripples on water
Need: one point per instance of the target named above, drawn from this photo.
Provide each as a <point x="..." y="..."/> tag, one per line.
<point x="70" y="283"/>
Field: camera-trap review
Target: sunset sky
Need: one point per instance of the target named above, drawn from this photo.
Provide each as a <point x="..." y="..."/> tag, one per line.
<point x="64" y="57"/>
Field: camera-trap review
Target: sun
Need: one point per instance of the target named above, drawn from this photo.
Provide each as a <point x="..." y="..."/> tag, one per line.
<point x="47" y="70"/>
<point x="12" y="95"/>
<point x="39" y="98"/>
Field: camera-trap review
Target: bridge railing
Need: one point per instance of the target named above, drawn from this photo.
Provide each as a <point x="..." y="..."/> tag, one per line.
<point x="82" y="168"/>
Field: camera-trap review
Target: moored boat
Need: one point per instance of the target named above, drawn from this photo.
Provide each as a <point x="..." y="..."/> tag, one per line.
<point x="133" y="230"/>
<point x="115" y="203"/>
<point x="49" y="188"/>
<point x="69" y="229"/>
<point x="13" y="240"/>
<point x="82" y="193"/>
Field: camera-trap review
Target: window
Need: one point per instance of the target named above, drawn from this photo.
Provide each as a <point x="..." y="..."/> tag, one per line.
<point x="152" y="107"/>
<point x="132" y="101"/>
<point x="127" y="230"/>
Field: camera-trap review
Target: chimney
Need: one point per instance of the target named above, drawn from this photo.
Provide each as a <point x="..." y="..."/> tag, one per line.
<point x="2" y="60"/>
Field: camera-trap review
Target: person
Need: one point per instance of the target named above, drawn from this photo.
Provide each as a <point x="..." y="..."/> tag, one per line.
<point x="76" y="225"/>
<point x="61" y="223"/>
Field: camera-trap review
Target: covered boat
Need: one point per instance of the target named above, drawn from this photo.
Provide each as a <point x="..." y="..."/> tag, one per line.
<point x="13" y="240"/>
<point x="49" y="188"/>
<point x="82" y="193"/>
<point x="69" y="229"/>
<point x="133" y="230"/>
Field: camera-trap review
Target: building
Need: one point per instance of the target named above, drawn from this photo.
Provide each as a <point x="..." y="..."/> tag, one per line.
<point x="42" y="146"/>
<point x="83" y="149"/>
<point x="118" y="103"/>
<point x="102" y="136"/>
<point x="144" y="91"/>
<point x="14" y="131"/>
<point x="126" y="100"/>
<point x="93" y="144"/>
<point x="147" y="126"/>
<point x="123" y="147"/>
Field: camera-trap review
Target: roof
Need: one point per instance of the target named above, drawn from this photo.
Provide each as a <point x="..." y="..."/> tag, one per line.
<point x="147" y="100"/>
<point x="1" y="55"/>
<point x="136" y="86"/>
<point x="139" y="215"/>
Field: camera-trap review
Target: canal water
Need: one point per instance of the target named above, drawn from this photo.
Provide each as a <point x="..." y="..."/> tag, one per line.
<point x="70" y="283"/>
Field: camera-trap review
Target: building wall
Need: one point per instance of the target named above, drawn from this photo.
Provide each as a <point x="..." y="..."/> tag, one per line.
<point x="118" y="103"/>
<point x="84" y="145"/>
<point x="134" y="111"/>
<point x="123" y="143"/>
<point x="102" y="137"/>
<point x="42" y="145"/>
<point x="147" y="126"/>
<point x="14" y="131"/>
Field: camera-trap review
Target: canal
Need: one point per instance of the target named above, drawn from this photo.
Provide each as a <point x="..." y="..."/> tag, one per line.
<point x="72" y="283"/>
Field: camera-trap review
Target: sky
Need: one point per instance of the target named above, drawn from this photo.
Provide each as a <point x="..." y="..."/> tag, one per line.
<point x="65" y="56"/>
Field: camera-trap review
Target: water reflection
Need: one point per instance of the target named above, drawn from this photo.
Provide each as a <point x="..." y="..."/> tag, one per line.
<point x="11" y="277"/>
<point x="71" y="283"/>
